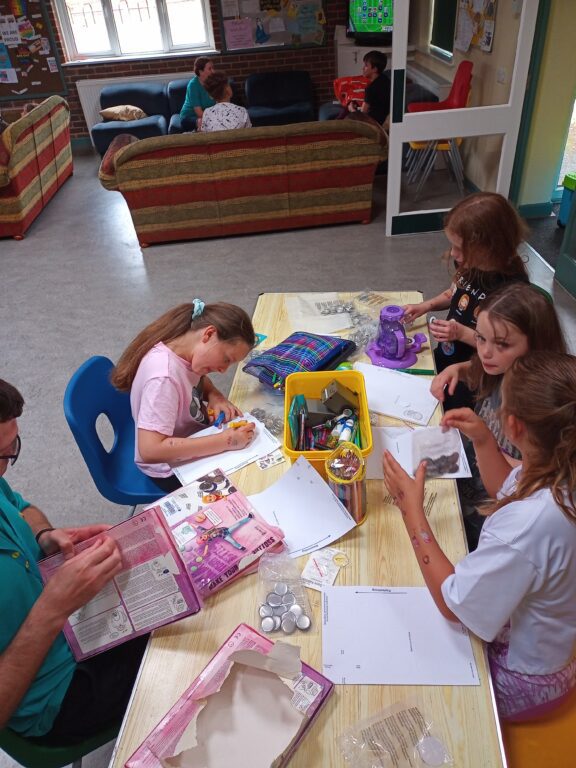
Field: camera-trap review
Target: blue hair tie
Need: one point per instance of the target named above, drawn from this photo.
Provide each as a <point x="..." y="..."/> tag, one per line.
<point x="198" y="305"/>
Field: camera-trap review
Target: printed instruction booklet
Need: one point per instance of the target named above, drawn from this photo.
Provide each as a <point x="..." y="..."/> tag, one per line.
<point x="185" y="547"/>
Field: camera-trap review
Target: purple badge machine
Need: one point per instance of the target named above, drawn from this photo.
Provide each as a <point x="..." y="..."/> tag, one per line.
<point x="392" y="348"/>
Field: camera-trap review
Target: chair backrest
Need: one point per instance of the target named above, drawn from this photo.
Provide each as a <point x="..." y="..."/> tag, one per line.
<point x="88" y="395"/>
<point x="458" y="96"/>
<point x="272" y="89"/>
<point x="151" y="98"/>
<point x="177" y="94"/>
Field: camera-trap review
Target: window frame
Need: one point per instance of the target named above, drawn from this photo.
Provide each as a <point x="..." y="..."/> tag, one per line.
<point x="114" y="53"/>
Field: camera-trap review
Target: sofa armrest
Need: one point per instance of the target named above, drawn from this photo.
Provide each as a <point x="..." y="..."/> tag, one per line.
<point x="4" y="163"/>
<point x="107" y="172"/>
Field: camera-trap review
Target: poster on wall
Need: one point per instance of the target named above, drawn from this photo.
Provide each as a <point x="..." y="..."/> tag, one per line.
<point x="475" y="24"/>
<point x="29" y="65"/>
<point x="253" y="24"/>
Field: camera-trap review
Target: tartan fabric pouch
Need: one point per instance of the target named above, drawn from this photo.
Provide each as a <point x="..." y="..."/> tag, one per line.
<point x="301" y="351"/>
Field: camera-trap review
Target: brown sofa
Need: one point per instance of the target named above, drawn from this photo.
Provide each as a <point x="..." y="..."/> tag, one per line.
<point x="196" y="185"/>
<point x="35" y="160"/>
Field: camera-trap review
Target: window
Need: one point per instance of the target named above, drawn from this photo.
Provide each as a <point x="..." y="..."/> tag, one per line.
<point x="443" y="26"/>
<point x="114" y="28"/>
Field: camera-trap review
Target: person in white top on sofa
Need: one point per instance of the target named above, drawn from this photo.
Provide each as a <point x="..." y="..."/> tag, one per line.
<point x="223" y="116"/>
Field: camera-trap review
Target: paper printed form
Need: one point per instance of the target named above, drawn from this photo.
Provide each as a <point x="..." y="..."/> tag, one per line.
<point x="303" y="505"/>
<point x="152" y="590"/>
<point x="400" y="395"/>
<point x="229" y="461"/>
<point x="392" y="636"/>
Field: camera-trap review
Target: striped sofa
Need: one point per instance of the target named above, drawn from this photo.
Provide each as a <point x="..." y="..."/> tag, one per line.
<point x="197" y="185"/>
<point x="35" y="160"/>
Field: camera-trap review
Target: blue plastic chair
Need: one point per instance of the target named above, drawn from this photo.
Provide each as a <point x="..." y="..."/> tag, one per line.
<point x="32" y="753"/>
<point x="88" y="395"/>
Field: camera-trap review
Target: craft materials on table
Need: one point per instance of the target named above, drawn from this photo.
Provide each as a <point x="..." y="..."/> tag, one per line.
<point x="325" y="423"/>
<point x="346" y="472"/>
<point x="254" y="700"/>
<point x="399" y="395"/>
<point x="304" y="507"/>
<point x="392" y="636"/>
<point x="323" y="567"/>
<point x="229" y="461"/>
<point x="284" y="603"/>
<point x="399" y="441"/>
<point x="319" y="312"/>
<point x="392" y="348"/>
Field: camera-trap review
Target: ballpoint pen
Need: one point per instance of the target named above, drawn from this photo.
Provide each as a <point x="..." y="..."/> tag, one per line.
<point x="417" y="371"/>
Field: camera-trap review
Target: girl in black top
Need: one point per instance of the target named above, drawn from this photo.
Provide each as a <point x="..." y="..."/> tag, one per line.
<point x="485" y="232"/>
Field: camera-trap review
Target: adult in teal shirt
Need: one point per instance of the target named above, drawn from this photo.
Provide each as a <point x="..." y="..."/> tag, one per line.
<point x="197" y="98"/>
<point x="43" y="692"/>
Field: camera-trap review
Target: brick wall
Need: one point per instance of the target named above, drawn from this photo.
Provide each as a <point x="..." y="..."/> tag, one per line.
<point x="319" y="61"/>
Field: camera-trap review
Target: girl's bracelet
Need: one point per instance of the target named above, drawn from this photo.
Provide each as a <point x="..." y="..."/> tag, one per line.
<point x="41" y="532"/>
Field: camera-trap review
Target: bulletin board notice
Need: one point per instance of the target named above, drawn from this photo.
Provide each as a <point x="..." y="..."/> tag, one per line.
<point x="29" y="65"/>
<point x="253" y="24"/>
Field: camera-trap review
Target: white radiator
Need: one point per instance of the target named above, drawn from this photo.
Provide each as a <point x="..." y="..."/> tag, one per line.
<point x="89" y="91"/>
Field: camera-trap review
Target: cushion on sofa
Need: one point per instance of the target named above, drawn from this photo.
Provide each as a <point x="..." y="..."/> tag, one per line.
<point x="123" y="112"/>
<point x="151" y="98"/>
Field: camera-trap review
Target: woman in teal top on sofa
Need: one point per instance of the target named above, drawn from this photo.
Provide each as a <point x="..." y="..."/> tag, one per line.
<point x="197" y="98"/>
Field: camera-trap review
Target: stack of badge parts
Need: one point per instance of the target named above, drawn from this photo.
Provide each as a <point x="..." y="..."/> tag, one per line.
<point x="283" y="610"/>
<point x="346" y="473"/>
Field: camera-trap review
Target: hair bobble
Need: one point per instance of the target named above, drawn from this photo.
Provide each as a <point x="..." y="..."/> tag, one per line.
<point x="198" y="305"/>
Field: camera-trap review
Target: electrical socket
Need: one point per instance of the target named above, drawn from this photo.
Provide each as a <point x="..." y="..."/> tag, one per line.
<point x="501" y="75"/>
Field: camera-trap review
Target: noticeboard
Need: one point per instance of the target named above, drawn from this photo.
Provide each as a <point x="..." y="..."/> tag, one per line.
<point x="29" y="64"/>
<point x="256" y="24"/>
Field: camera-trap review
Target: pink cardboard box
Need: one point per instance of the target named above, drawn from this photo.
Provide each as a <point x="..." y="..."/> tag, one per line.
<point x="187" y="546"/>
<point x="254" y="700"/>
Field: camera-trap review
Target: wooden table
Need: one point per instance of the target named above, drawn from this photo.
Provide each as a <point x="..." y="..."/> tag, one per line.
<point x="380" y="554"/>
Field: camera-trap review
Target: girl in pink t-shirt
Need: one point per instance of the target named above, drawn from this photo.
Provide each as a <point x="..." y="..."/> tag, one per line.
<point x="165" y="370"/>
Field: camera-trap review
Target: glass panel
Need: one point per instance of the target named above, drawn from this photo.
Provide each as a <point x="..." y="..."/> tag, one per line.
<point x="436" y="175"/>
<point x="137" y="25"/>
<point x="88" y="26"/>
<point x="186" y="22"/>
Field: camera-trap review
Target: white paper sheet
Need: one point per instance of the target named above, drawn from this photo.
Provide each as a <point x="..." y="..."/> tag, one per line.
<point x="229" y="461"/>
<point x="398" y="440"/>
<point x="400" y="395"/>
<point x="392" y="636"/>
<point x="303" y="505"/>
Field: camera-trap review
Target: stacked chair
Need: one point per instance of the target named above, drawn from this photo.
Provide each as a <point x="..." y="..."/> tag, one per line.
<point x="422" y="155"/>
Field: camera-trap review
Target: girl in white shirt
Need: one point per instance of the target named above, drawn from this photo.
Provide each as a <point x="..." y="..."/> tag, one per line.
<point x="514" y="320"/>
<point x="517" y="590"/>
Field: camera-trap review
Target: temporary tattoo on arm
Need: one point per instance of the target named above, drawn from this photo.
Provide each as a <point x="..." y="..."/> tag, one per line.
<point x="231" y="441"/>
<point x="415" y="542"/>
<point x="426" y="559"/>
<point x="425" y="536"/>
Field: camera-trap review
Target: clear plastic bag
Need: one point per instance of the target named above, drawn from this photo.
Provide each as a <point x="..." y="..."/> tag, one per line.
<point x="397" y="737"/>
<point x="439" y="448"/>
<point x="284" y="605"/>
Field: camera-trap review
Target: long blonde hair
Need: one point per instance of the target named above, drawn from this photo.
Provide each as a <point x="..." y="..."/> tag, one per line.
<point x="540" y="390"/>
<point x="527" y="309"/>
<point x="231" y="322"/>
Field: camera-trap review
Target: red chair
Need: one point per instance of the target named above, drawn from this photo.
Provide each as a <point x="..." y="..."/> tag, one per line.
<point x="422" y="155"/>
<point x="458" y="96"/>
